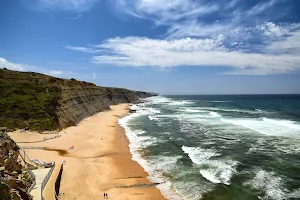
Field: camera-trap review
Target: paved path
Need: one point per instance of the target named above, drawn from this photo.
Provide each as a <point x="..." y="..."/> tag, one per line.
<point x="40" y="175"/>
<point x="50" y="186"/>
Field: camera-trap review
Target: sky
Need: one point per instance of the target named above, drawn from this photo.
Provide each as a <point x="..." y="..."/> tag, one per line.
<point x="163" y="46"/>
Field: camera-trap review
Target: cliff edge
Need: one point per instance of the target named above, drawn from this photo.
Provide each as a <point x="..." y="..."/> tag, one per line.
<point x="41" y="102"/>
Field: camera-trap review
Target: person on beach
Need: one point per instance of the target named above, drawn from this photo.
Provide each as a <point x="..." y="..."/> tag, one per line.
<point x="104" y="195"/>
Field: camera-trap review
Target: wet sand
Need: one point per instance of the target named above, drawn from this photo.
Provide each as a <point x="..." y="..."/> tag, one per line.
<point x="100" y="161"/>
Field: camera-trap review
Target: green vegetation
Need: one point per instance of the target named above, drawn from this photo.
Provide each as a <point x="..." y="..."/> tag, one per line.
<point x="39" y="102"/>
<point x="4" y="192"/>
<point x="27" y="100"/>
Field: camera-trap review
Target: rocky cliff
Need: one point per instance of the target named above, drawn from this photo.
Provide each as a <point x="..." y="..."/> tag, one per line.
<point x="81" y="102"/>
<point x="41" y="102"/>
<point x="14" y="181"/>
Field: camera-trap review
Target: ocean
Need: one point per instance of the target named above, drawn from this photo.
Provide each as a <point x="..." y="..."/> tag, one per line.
<point x="229" y="147"/>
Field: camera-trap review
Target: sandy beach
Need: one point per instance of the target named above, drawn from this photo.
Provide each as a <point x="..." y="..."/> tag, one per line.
<point x="100" y="161"/>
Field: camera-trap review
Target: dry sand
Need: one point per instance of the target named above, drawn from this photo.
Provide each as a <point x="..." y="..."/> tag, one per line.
<point x="100" y="161"/>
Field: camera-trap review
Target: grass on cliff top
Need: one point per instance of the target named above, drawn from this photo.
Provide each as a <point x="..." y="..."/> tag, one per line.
<point x="26" y="101"/>
<point x="30" y="100"/>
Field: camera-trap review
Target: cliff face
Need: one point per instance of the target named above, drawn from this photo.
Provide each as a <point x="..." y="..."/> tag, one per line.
<point x="14" y="181"/>
<point x="79" y="103"/>
<point x="41" y="102"/>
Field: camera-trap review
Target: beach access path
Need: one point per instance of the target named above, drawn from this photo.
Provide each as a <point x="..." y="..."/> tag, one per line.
<point x="40" y="175"/>
<point x="99" y="162"/>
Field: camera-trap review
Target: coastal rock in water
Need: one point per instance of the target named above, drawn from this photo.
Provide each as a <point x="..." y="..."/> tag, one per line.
<point x="132" y="111"/>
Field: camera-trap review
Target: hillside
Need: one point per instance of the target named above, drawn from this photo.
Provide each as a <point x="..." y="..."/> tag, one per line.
<point x="40" y="102"/>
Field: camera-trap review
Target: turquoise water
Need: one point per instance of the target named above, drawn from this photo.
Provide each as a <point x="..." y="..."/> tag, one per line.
<point x="219" y="147"/>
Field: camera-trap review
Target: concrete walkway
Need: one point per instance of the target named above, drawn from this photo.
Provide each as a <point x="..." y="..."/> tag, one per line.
<point x="50" y="186"/>
<point x="40" y="175"/>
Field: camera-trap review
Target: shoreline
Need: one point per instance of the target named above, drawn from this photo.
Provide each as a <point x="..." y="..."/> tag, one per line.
<point x="100" y="161"/>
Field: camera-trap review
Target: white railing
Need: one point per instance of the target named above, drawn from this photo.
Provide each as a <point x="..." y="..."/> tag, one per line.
<point x="29" y="171"/>
<point x="33" y="183"/>
<point x="46" y="180"/>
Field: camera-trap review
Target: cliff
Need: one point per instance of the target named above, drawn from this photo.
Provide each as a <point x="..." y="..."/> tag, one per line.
<point x="14" y="181"/>
<point x="40" y="102"/>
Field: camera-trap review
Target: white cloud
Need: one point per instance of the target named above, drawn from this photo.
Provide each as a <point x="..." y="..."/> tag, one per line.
<point x="179" y="15"/>
<point x="144" y="52"/>
<point x="55" y="72"/>
<point x="271" y="29"/>
<point x="163" y="10"/>
<point x="23" y="67"/>
<point x="13" y="66"/>
<point x="289" y="45"/>
<point x="194" y="28"/>
<point x="194" y="18"/>
<point x="83" y="49"/>
<point x="259" y="8"/>
<point x="68" y="5"/>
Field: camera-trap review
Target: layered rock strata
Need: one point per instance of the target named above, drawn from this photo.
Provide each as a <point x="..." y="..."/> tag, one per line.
<point x="39" y="102"/>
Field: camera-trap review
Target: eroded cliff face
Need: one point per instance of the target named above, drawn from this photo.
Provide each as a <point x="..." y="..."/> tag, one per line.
<point x="81" y="102"/>
<point x="40" y="102"/>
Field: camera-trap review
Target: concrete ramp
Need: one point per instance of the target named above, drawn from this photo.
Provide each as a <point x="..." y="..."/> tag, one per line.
<point x="40" y="175"/>
<point x="49" y="191"/>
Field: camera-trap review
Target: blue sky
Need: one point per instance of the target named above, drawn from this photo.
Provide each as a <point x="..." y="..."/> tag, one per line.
<point x="165" y="46"/>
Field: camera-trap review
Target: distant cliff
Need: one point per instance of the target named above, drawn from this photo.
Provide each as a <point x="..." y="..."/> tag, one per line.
<point x="40" y="102"/>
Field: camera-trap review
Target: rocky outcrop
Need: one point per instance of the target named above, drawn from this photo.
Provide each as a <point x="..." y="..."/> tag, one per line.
<point x="14" y="181"/>
<point x="40" y="102"/>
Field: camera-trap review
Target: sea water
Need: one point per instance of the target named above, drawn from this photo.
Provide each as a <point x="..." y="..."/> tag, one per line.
<point x="219" y="147"/>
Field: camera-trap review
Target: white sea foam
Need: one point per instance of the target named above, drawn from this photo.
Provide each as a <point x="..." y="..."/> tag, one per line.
<point x="267" y="127"/>
<point x="272" y="186"/>
<point x="230" y="110"/>
<point x="209" y="174"/>
<point x="214" y="169"/>
<point x="134" y="107"/>
<point x="286" y="123"/>
<point x="215" y="114"/>
<point x="199" y="155"/>
<point x="141" y="110"/>
<point x="152" y="118"/>
<point x="154" y="166"/>
<point x="175" y="103"/>
<point x="195" y="110"/>
<point x="157" y="100"/>
<point x="219" y="101"/>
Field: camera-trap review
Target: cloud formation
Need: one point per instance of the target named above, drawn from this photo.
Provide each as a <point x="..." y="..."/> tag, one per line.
<point x="277" y="53"/>
<point x="65" y="5"/>
<point x="13" y="66"/>
<point x="83" y="49"/>
<point x="204" y="17"/>
<point x="22" y="67"/>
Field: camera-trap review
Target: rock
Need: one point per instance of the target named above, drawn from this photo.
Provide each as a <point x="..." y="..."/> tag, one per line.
<point x="3" y="129"/>
<point x="12" y="186"/>
<point x="10" y="164"/>
<point x="132" y="111"/>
